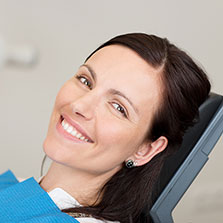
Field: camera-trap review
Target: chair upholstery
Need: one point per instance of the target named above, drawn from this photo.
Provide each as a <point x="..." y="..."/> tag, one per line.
<point x="181" y="169"/>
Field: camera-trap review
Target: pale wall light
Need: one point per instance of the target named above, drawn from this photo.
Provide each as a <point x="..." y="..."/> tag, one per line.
<point x="17" y="55"/>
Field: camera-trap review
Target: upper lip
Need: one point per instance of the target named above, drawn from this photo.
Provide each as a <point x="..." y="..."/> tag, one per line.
<point x="77" y="126"/>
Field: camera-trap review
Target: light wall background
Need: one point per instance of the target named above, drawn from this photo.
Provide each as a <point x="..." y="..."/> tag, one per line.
<point x="64" y="33"/>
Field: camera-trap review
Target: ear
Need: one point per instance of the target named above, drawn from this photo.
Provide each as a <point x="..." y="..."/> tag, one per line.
<point x="148" y="150"/>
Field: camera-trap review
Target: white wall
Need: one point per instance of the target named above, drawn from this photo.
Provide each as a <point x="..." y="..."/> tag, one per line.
<point x="64" y="33"/>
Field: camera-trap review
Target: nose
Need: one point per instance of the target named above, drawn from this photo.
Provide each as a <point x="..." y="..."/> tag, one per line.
<point x="85" y="106"/>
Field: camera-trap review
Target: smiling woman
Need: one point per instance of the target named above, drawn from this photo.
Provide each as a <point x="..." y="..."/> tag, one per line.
<point x="99" y="103"/>
<point x="126" y="107"/>
<point x="114" y="123"/>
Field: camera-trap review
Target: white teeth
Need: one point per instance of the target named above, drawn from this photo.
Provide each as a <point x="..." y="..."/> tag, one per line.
<point x="78" y="135"/>
<point x="73" y="131"/>
<point x="66" y="126"/>
<point x="70" y="129"/>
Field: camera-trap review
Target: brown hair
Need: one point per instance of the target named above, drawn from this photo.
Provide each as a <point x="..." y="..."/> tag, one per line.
<point x="186" y="86"/>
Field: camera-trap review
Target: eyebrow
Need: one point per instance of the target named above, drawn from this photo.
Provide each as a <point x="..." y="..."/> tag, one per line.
<point x="111" y="90"/>
<point x="91" y="71"/>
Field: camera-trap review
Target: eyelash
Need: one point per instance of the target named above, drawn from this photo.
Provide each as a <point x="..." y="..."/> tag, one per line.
<point x="80" y="76"/>
<point x="122" y="110"/>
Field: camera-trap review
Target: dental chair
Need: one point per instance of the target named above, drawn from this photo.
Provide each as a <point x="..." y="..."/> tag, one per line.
<point x="181" y="169"/>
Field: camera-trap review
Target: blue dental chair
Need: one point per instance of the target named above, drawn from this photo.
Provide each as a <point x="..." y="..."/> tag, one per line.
<point x="181" y="169"/>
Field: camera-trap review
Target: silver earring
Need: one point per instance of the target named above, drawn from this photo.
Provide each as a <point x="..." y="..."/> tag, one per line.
<point x="130" y="163"/>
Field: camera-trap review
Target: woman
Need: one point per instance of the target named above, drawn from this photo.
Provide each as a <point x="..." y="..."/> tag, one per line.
<point x="115" y="121"/>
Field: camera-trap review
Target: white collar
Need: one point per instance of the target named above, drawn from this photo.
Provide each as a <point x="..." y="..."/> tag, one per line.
<point x="62" y="199"/>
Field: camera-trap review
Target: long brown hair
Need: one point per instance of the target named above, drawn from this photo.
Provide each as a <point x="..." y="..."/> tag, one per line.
<point x="186" y="86"/>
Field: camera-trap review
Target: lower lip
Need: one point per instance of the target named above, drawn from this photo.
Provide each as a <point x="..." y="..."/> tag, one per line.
<point x="65" y="134"/>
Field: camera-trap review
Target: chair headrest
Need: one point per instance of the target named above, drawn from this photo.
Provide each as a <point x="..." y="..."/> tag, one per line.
<point x="206" y="112"/>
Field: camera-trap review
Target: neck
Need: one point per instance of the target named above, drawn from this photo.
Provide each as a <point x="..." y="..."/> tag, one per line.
<point x="84" y="187"/>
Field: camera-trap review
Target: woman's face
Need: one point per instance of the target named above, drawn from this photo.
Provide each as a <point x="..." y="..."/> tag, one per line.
<point x="112" y="99"/>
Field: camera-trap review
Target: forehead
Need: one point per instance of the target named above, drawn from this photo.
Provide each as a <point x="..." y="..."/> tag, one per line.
<point x="123" y="69"/>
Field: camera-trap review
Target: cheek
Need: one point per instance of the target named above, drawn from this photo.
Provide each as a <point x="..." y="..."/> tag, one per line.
<point x="63" y="98"/>
<point x="116" y="136"/>
<point x="65" y="95"/>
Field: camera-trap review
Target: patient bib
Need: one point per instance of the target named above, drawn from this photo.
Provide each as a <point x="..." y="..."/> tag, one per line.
<point x="27" y="202"/>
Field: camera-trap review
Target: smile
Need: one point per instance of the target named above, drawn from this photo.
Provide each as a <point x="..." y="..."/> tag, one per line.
<point x="72" y="131"/>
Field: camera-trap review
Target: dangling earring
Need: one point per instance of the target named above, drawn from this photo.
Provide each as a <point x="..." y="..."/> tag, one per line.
<point x="130" y="163"/>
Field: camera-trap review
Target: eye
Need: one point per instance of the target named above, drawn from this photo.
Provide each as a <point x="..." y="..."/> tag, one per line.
<point x="120" y="109"/>
<point x="84" y="80"/>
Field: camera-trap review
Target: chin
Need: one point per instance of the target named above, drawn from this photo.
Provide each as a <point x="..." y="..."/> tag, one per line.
<point x="54" y="151"/>
<point x="50" y="149"/>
